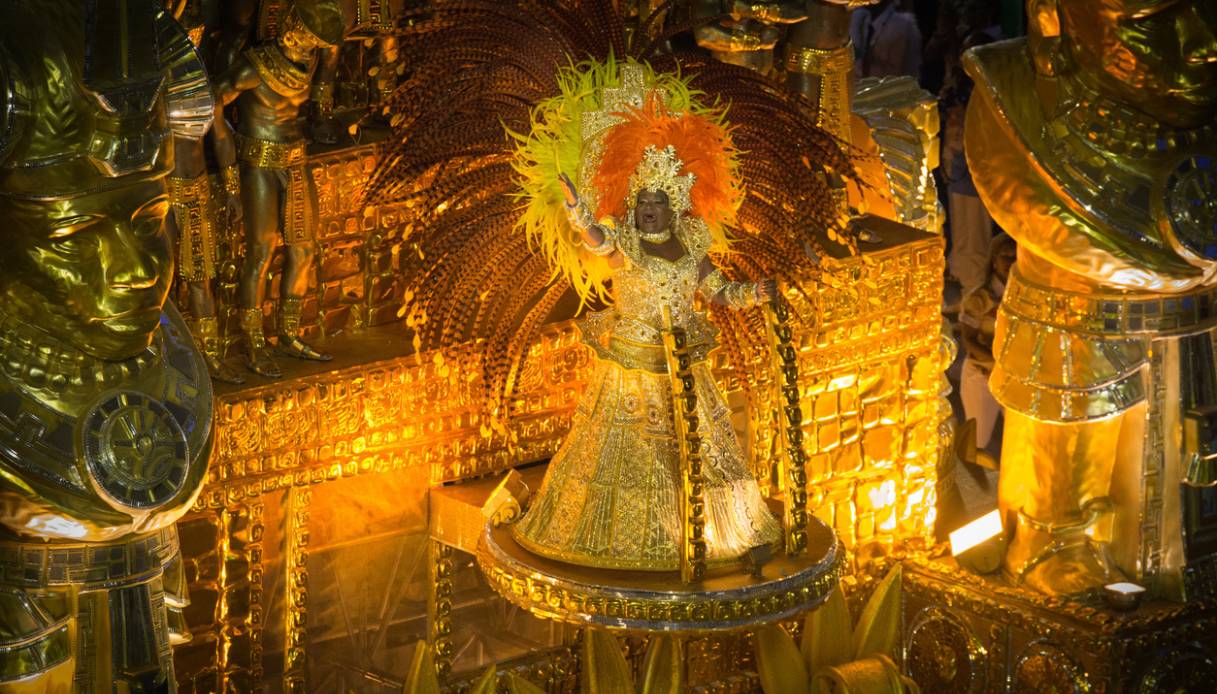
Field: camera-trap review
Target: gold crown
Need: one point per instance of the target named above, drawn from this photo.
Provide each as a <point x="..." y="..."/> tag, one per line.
<point x="659" y="170"/>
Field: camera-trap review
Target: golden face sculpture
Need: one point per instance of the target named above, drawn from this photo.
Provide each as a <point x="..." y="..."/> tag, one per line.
<point x="93" y="270"/>
<point x="1159" y="56"/>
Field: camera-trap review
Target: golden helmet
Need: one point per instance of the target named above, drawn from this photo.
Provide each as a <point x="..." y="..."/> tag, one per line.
<point x="321" y="20"/>
<point x="89" y="98"/>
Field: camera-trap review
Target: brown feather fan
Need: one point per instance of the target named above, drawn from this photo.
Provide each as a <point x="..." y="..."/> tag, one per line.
<point x="475" y="69"/>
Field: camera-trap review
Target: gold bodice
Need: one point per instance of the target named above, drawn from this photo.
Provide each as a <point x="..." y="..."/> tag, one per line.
<point x="631" y="331"/>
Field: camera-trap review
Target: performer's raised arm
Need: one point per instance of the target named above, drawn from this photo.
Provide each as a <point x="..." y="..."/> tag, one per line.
<point x="597" y="238"/>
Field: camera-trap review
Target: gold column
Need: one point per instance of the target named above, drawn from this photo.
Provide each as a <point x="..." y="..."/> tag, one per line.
<point x="296" y="575"/>
<point x="788" y="416"/>
<point x="439" y="606"/>
<point x="684" y="416"/>
<point x="830" y="72"/>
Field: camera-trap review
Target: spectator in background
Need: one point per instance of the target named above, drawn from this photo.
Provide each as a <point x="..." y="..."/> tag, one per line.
<point x="886" y="42"/>
<point x="977" y="319"/>
<point x="970" y="226"/>
<point x="944" y="42"/>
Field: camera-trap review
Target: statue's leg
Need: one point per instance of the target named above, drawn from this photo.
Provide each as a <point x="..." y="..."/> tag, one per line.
<point x="1055" y="489"/>
<point x="199" y="276"/>
<point x="260" y="197"/>
<point x="299" y="235"/>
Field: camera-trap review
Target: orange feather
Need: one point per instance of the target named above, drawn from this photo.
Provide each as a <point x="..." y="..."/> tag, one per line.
<point x="702" y="143"/>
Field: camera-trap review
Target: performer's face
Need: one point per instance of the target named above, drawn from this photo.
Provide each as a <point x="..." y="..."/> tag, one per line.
<point x="652" y="212"/>
<point x="1159" y="56"/>
<point x="1003" y="260"/>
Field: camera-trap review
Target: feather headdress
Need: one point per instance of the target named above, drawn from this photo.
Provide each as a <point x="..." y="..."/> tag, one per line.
<point x="596" y="132"/>
<point x="688" y="155"/>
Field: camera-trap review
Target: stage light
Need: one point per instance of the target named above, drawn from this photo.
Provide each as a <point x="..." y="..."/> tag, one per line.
<point x="1123" y="596"/>
<point x="980" y="545"/>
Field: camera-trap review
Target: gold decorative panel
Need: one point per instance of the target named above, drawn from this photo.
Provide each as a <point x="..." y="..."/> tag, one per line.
<point x="966" y="633"/>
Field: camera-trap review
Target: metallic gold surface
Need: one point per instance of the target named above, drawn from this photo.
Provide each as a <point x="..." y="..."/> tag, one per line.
<point x="655" y="602"/>
<point x="191" y="201"/>
<point x="602" y="668"/>
<point x="833" y="69"/>
<point x="692" y="502"/>
<point x="105" y="403"/>
<point x="1090" y="144"/>
<point x="270" y="83"/>
<point x="265" y="154"/>
<point x="378" y="416"/>
<point x="792" y="473"/>
<point x="859" y="660"/>
<point x="902" y="119"/>
<point x="977" y="634"/>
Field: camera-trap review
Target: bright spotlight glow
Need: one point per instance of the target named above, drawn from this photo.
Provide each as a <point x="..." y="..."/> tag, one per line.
<point x="1125" y="588"/>
<point x="976" y="532"/>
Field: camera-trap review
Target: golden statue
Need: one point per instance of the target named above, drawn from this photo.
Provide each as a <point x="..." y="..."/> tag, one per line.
<point x="105" y="403"/>
<point x="663" y="182"/>
<point x="1092" y="143"/>
<point x="270" y="82"/>
<point x="194" y="215"/>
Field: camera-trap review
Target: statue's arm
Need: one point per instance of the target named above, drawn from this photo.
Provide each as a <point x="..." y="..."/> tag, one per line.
<point x="240" y="77"/>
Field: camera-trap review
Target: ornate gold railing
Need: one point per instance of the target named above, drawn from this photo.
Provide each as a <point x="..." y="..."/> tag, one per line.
<point x="684" y="415"/>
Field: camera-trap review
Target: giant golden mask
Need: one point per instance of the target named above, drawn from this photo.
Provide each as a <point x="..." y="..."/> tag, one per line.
<point x="91" y="270"/>
<point x="1159" y="56"/>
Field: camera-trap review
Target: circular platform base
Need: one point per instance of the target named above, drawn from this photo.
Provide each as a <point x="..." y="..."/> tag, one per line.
<point x="659" y="602"/>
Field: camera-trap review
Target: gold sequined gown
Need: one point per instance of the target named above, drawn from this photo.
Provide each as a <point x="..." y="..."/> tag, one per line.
<point x="610" y="498"/>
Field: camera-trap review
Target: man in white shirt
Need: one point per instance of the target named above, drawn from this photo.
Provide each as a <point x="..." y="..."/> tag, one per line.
<point x="886" y="42"/>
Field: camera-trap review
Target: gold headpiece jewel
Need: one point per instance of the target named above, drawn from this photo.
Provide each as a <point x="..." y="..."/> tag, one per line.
<point x="659" y="170"/>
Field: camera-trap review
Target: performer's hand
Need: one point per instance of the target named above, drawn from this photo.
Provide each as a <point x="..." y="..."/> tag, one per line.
<point x="766" y="290"/>
<point x="568" y="190"/>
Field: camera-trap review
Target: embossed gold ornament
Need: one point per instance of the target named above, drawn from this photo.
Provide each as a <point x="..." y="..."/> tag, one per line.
<point x="1101" y="168"/>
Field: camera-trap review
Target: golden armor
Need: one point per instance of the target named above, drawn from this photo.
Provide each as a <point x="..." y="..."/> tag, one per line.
<point x="1092" y="143"/>
<point x="105" y="404"/>
<point x="270" y="82"/>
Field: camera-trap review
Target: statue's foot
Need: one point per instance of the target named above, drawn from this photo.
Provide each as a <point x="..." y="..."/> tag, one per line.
<point x="1071" y="570"/>
<point x="298" y="349"/>
<point x="260" y="361"/>
<point x="220" y="371"/>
